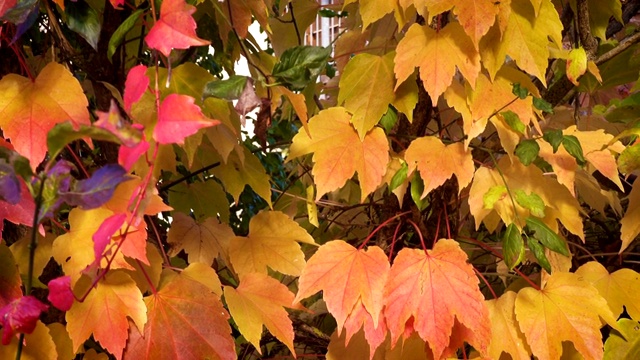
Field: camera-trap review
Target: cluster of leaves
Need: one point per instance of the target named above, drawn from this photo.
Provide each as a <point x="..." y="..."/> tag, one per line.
<point x="455" y="177"/>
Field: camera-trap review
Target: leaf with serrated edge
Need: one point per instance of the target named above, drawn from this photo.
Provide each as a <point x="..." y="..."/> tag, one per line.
<point x="202" y="241"/>
<point x="475" y="16"/>
<point x="505" y="334"/>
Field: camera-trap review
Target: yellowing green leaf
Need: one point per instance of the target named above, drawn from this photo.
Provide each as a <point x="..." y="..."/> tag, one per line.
<point x="624" y="344"/>
<point x="418" y="47"/>
<point x="367" y="97"/>
<point x="339" y="152"/>
<point x="576" y="64"/>
<point x="202" y="241"/>
<point x="260" y="300"/>
<point x="271" y="243"/>
<point x="505" y="335"/>
<point x="438" y="162"/>
<point x="569" y="308"/>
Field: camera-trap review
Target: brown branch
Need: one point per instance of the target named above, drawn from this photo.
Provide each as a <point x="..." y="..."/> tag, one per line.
<point x="588" y="42"/>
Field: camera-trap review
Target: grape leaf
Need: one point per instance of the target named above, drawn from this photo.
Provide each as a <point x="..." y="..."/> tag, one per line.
<point x="427" y="154"/>
<point x="181" y="311"/>
<point x="179" y="117"/>
<point x="105" y="310"/>
<point x="614" y="287"/>
<point x="346" y="275"/>
<point x="260" y="300"/>
<point x="567" y="309"/>
<point x="436" y="288"/>
<point x="175" y="29"/>
<point x="203" y="241"/>
<point x="29" y="109"/>
<point x="416" y="49"/>
<point x="339" y="152"/>
<point x="271" y="242"/>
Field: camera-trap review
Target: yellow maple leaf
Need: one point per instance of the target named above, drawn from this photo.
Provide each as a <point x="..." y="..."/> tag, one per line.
<point x="564" y="165"/>
<point x="271" y="242"/>
<point x="367" y="97"/>
<point x="373" y="10"/>
<point x="38" y="345"/>
<point x="260" y="300"/>
<point x="339" y="152"/>
<point x="203" y="241"/>
<point x="438" y="162"/>
<point x="416" y="49"/>
<point x="569" y="308"/>
<point x="505" y="334"/>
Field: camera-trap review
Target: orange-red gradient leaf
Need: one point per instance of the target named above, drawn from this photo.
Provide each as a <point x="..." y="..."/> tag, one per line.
<point x="179" y="117"/>
<point x="431" y="289"/>
<point x="186" y="321"/>
<point x="260" y="299"/>
<point x="176" y="28"/>
<point x="346" y="275"/>
<point x="29" y="109"/>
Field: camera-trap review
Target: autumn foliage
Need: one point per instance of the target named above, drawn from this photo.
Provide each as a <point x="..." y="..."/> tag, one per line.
<point x="444" y="179"/>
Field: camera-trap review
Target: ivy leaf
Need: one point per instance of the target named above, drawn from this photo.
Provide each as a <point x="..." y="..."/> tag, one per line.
<point x="567" y="309"/>
<point x="104" y="312"/>
<point x="29" y="109"/>
<point x="573" y="147"/>
<point x="538" y="252"/>
<point x="339" y="152"/>
<point x="202" y="242"/>
<point x="301" y="65"/>
<point x="258" y="300"/>
<point x="271" y="242"/>
<point x="229" y="89"/>
<point x="427" y="154"/>
<point x="546" y="236"/>
<point x="179" y="117"/>
<point x="175" y="29"/>
<point x="532" y="202"/>
<point x="98" y="189"/>
<point x="84" y="20"/>
<point x="513" y="120"/>
<point x="554" y="138"/>
<point x="513" y="246"/>
<point x="20" y="316"/>
<point x="346" y="275"/>
<point x="185" y="304"/>
<point x="432" y="290"/>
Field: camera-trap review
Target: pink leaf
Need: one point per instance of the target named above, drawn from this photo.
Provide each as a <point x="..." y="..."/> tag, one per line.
<point x="127" y="156"/>
<point x="117" y="4"/>
<point x="102" y="237"/>
<point x="136" y="84"/>
<point x="176" y="28"/>
<point x="60" y="294"/>
<point x="179" y="117"/>
<point x="20" y="316"/>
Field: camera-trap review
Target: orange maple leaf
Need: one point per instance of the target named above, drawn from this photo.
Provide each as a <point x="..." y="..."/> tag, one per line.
<point x="186" y="321"/>
<point x="104" y="312"/>
<point x="29" y="109"/>
<point x="346" y="275"/>
<point x="260" y="299"/>
<point x="339" y="152"/>
<point x="431" y="289"/>
<point x="175" y="29"/>
<point x="438" y="162"/>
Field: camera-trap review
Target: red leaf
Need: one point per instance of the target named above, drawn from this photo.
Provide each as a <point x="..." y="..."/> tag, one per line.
<point x="102" y="237"/>
<point x="179" y="117"/>
<point x="20" y="213"/>
<point x="176" y="28"/>
<point x="60" y="294"/>
<point x="20" y="316"/>
<point x="128" y="156"/>
<point x="136" y="84"/>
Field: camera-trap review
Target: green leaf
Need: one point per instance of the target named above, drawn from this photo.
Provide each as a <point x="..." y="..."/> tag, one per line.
<point x="229" y="89"/>
<point x="417" y="188"/>
<point x="519" y="91"/>
<point x="121" y="32"/>
<point x="532" y="202"/>
<point x="546" y="236"/>
<point x="399" y="177"/>
<point x="573" y="147"/>
<point x="513" y="120"/>
<point x="494" y="194"/>
<point x="512" y="246"/>
<point x="389" y="119"/>
<point x="538" y="251"/>
<point x="624" y="344"/>
<point x="541" y="104"/>
<point x="629" y="159"/>
<point x="64" y="133"/>
<point x="527" y="151"/>
<point x="301" y="65"/>
<point x="84" y="20"/>
<point x="553" y="137"/>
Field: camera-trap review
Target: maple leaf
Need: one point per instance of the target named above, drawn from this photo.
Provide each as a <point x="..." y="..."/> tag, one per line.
<point x="105" y="310"/>
<point x="564" y="165"/>
<point x="98" y="189"/>
<point x="339" y="152"/>
<point x="20" y="213"/>
<point x="431" y="289"/>
<point x="20" y="316"/>
<point x="205" y="199"/>
<point x="367" y="97"/>
<point x="427" y="154"/>
<point x="505" y="334"/>
<point x="181" y="312"/>
<point x="568" y="308"/>
<point x="242" y="11"/>
<point x="373" y="10"/>
<point x="135" y="86"/>
<point x="29" y="109"/>
<point x="60" y="294"/>
<point x="346" y="275"/>
<point x="360" y="318"/>
<point x="127" y="193"/>
<point x="271" y="242"/>
<point x="614" y="288"/>
<point x="258" y="300"/>
<point x="175" y="29"/>
<point x="202" y="241"/>
<point x="38" y="345"/>
<point x="416" y="49"/>
<point x="179" y="117"/>
<point x="630" y="222"/>
<point x="624" y="344"/>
